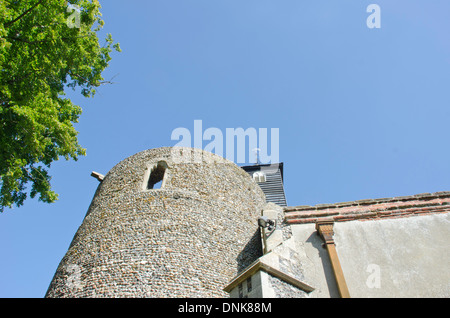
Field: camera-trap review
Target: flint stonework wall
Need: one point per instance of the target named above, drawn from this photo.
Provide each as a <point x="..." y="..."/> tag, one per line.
<point x="187" y="239"/>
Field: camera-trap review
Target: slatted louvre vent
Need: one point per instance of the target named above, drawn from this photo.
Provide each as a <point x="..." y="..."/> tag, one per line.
<point x="270" y="180"/>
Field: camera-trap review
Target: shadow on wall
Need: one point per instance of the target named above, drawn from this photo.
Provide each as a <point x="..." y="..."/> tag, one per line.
<point x="316" y="242"/>
<point x="251" y="252"/>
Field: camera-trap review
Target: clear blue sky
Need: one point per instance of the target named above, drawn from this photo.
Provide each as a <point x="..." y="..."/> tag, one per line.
<point x="363" y="113"/>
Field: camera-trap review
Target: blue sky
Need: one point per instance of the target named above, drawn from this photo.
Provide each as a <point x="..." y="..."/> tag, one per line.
<point x="362" y="113"/>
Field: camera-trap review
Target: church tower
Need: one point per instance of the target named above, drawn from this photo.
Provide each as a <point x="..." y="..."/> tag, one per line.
<point x="159" y="226"/>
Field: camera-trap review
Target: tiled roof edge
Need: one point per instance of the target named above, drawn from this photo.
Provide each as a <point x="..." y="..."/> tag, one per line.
<point x="422" y="196"/>
<point x="419" y="204"/>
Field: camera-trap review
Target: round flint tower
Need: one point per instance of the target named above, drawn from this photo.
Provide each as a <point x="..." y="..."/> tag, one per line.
<point x="164" y="225"/>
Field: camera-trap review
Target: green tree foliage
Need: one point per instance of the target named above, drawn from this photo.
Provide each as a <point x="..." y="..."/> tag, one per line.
<point x="46" y="46"/>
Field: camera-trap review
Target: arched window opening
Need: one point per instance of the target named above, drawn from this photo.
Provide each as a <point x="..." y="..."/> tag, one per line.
<point x="156" y="178"/>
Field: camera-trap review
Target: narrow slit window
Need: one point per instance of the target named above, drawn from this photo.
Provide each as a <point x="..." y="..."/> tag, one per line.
<point x="156" y="176"/>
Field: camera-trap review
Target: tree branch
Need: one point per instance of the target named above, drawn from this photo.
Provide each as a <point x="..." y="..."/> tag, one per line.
<point x="7" y="24"/>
